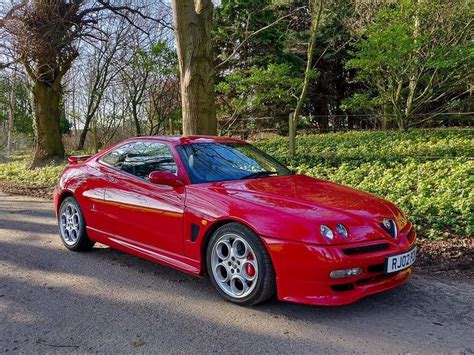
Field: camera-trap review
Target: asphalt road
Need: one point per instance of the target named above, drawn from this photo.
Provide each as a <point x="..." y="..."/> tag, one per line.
<point x="53" y="300"/>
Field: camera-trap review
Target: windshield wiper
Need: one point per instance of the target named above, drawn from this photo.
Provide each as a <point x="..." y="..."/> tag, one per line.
<point x="259" y="174"/>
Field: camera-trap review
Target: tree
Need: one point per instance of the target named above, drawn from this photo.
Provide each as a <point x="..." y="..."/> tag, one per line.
<point x="44" y="35"/>
<point x="11" y="114"/>
<point x="257" y="71"/>
<point x="315" y="9"/>
<point x="249" y="33"/>
<point x="101" y="73"/>
<point x="163" y="109"/>
<point x="15" y="107"/>
<point x="248" y="98"/>
<point x="415" y="62"/>
<point x="193" y="26"/>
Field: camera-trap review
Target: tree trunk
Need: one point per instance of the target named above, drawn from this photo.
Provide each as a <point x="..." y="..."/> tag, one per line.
<point x="385" y="118"/>
<point x="82" y="138"/>
<point x="138" y="129"/>
<point x="11" y="116"/>
<point x="49" y="145"/>
<point x="315" y="20"/>
<point x="292" y="133"/>
<point x="192" y="26"/>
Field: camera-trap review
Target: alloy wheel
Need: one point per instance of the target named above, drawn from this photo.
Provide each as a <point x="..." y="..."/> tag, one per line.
<point x="234" y="266"/>
<point x="70" y="224"/>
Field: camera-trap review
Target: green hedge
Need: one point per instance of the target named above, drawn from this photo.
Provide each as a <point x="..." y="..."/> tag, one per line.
<point x="427" y="173"/>
<point x="16" y="171"/>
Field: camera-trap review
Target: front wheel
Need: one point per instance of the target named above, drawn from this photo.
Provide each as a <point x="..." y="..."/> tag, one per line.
<point x="239" y="265"/>
<point x="72" y="226"/>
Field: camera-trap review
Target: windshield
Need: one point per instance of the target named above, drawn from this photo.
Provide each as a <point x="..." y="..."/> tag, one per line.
<point x="209" y="162"/>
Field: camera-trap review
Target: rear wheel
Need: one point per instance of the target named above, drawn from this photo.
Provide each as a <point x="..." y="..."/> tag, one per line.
<point x="72" y="226"/>
<point x="239" y="265"/>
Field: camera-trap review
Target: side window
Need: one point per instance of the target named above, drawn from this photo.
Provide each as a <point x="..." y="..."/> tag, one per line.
<point x="117" y="156"/>
<point x="144" y="157"/>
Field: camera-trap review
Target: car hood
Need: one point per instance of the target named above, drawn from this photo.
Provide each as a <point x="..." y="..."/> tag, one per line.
<point x="313" y="199"/>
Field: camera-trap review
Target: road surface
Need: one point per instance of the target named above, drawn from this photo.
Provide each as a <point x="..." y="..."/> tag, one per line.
<point x="53" y="300"/>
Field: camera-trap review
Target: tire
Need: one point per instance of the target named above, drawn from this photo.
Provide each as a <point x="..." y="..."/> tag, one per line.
<point x="239" y="265"/>
<point x="72" y="226"/>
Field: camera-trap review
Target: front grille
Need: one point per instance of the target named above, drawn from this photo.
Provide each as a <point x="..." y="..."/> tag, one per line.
<point x="343" y="287"/>
<point x="362" y="282"/>
<point x="366" y="249"/>
<point x="376" y="268"/>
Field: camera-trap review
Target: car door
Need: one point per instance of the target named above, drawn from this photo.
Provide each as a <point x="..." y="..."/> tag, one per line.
<point x="139" y="212"/>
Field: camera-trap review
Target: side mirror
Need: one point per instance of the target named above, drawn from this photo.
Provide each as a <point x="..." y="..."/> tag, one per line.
<point x="165" y="178"/>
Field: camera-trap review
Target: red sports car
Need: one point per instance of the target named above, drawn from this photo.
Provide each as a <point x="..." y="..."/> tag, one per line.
<point x="221" y="207"/>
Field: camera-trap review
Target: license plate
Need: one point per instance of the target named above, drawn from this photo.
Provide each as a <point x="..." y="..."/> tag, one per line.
<point x="400" y="262"/>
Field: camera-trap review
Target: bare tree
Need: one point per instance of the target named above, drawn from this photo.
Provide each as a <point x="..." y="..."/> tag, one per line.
<point x="105" y="64"/>
<point x="135" y="78"/>
<point x="45" y="35"/>
<point x="164" y="104"/>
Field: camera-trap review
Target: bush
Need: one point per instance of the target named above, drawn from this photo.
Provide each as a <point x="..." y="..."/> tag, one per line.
<point x="16" y="171"/>
<point x="427" y="173"/>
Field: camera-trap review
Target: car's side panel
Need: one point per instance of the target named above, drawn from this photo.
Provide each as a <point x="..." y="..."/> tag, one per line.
<point x="139" y="211"/>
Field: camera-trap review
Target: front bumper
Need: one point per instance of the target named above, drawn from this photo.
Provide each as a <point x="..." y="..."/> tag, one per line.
<point x="303" y="269"/>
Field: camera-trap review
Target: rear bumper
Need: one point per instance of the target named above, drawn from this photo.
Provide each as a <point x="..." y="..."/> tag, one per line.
<point x="303" y="270"/>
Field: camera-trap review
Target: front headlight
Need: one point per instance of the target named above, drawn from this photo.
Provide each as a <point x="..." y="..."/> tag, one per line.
<point x="341" y="230"/>
<point x="326" y="232"/>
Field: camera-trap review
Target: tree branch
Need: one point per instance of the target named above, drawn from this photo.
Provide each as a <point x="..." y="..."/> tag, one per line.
<point x="121" y="11"/>
<point x="245" y="40"/>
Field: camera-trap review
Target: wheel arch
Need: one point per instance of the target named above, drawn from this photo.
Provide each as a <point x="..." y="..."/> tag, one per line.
<point x="61" y="197"/>
<point x="216" y="225"/>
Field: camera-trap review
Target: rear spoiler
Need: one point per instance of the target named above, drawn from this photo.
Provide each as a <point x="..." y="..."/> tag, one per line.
<point x="75" y="159"/>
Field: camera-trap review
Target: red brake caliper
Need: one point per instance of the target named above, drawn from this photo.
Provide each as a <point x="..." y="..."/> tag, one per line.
<point x="249" y="269"/>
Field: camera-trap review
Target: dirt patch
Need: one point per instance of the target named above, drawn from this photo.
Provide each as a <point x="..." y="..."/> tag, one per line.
<point x="19" y="189"/>
<point x="453" y="257"/>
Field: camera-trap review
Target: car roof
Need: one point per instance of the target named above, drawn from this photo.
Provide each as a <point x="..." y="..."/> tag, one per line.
<point x="192" y="139"/>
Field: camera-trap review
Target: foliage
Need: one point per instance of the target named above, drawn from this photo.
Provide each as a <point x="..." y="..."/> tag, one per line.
<point x="235" y="20"/>
<point x="414" y="61"/>
<point x="17" y="171"/>
<point x="380" y="64"/>
<point x="258" y="92"/>
<point x="23" y="120"/>
<point x="257" y="73"/>
<point x="427" y="173"/>
<point x="64" y="125"/>
<point x="157" y="58"/>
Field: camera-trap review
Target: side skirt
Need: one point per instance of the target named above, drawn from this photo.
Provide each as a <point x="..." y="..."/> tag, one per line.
<point x="148" y="252"/>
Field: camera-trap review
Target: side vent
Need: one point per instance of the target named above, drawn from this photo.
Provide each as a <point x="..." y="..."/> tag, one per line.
<point x="194" y="232"/>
